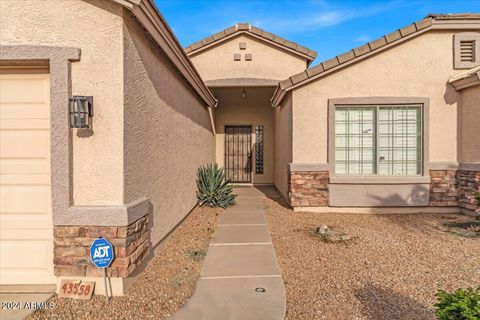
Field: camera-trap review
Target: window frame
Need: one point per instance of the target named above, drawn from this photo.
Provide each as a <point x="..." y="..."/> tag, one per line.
<point x="378" y="102"/>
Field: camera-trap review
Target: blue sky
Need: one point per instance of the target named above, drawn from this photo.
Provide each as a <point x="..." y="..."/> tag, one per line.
<point x="329" y="27"/>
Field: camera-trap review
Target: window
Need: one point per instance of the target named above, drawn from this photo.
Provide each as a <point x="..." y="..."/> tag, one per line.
<point x="378" y="140"/>
<point x="259" y="150"/>
<point x="466" y="50"/>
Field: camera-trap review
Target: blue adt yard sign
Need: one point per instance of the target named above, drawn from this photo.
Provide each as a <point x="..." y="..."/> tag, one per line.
<point x="101" y="253"/>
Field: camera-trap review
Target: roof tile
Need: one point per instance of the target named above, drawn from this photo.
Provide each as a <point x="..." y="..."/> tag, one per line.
<point x="361" y="50"/>
<point x="299" y="77"/>
<point x="315" y="70"/>
<point x="230" y="30"/>
<point x="290" y="44"/>
<point x="219" y="35"/>
<point x="346" y="56"/>
<point x="243" y="26"/>
<point x="393" y="36"/>
<point x="330" y="63"/>
<point x="408" y="30"/>
<point x="285" y="83"/>
<point x="207" y="40"/>
<point x="268" y="35"/>
<point x="256" y="30"/>
<point x="422" y="24"/>
<point x="377" y="43"/>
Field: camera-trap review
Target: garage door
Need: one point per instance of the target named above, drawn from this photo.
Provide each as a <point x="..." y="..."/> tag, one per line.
<point x="26" y="235"/>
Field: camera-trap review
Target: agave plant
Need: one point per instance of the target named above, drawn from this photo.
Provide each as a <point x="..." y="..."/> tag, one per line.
<point x="214" y="188"/>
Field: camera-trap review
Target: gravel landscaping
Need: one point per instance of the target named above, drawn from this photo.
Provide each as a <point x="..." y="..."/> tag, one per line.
<point x="162" y="288"/>
<point x="390" y="269"/>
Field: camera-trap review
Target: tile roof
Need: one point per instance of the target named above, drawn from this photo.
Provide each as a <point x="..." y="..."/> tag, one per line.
<point x="356" y="54"/>
<point x="254" y="31"/>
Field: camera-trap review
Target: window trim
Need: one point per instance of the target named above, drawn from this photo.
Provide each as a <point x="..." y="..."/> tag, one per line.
<point x="378" y="101"/>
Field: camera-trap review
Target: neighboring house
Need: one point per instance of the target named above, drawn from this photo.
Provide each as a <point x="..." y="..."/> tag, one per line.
<point x="391" y="124"/>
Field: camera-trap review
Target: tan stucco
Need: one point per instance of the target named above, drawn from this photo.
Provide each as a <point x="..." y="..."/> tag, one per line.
<point x="469" y="125"/>
<point x="282" y="145"/>
<point x="420" y="67"/>
<point x="268" y="61"/>
<point x="167" y="132"/>
<point x="253" y="110"/>
<point x="97" y="159"/>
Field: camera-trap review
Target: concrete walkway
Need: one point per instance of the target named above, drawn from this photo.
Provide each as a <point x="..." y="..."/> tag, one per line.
<point x="240" y="278"/>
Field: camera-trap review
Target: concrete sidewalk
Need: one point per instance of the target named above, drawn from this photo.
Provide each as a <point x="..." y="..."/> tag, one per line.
<point x="240" y="278"/>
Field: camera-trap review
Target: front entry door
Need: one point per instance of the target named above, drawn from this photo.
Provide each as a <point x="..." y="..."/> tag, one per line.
<point x="238" y="153"/>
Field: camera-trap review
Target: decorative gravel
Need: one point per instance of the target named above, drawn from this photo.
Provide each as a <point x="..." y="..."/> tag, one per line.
<point x="391" y="269"/>
<point x="162" y="288"/>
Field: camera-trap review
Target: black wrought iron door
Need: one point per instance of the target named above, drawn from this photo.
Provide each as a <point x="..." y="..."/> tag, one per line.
<point x="238" y="153"/>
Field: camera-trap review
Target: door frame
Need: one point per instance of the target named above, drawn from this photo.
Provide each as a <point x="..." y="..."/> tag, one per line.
<point x="250" y="127"/>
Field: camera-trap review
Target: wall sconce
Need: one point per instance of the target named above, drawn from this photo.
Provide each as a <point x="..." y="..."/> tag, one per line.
<point x="81" y="110"/>
<point x="244" y="93"/>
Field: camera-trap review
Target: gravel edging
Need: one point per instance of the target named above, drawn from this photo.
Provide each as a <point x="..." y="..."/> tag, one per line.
<point x="165" y="285"/>
<point x="391" y="269"/>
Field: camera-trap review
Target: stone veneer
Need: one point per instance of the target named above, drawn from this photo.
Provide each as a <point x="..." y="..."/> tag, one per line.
<point x="308" y="188"/>
<point x="468" y="185"/>
<point x="72" y="248"/>
<point x="443" y="188"/>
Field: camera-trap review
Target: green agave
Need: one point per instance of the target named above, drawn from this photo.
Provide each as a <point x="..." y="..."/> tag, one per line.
<point x="214" y="188"/>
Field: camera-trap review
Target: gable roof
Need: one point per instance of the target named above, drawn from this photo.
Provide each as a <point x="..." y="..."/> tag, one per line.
<point x="245" y="28"/>
<point x="431" y="21"/>
<point x="155" y="25"/>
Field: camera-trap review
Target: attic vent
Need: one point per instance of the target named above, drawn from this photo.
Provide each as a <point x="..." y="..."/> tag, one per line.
<point x="467" y="51"/>
<point x="466" y="54"/>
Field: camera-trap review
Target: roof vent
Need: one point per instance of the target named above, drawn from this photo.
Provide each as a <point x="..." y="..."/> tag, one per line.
<point x="467" y="51"/>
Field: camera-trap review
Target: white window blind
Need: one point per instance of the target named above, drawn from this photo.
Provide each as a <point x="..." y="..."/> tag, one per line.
<point x="382" y="140"/>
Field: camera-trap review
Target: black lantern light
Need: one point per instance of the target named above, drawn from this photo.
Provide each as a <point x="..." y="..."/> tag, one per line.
<point x="81" y="110"/>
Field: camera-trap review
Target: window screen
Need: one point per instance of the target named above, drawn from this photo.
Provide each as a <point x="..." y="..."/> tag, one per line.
<point x="383" y="140"/>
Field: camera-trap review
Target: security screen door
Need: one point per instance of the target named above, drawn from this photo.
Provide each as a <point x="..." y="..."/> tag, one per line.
<point x="238" y="153"/>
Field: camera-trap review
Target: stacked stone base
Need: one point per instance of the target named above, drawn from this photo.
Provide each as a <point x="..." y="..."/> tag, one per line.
<point x="72" y="248"/>
<point x="443" y="188"/>
<point x="448" y="188"/>
<point x="308" y="189"/>
<point x="468" y="187"/>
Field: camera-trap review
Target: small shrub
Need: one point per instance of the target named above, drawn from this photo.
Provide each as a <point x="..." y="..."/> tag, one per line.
<point x="459" y="305"/>
<point x="214" y="189"/>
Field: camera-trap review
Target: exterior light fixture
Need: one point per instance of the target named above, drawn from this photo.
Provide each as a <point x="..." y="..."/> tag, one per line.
<point x="244" y="93"/>
<point x="81" y="110"/>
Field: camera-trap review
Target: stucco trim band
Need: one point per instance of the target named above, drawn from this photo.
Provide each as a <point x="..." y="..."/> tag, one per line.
<point x="308" y="167"/>
<point x="58" y="59"/>
<point x="469" y="166"/>
<point x="105" y="216"/>
<point x="443" y="165"/>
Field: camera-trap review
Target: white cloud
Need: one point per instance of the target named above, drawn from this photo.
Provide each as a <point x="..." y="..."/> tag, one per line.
<point x="363" y="38"/>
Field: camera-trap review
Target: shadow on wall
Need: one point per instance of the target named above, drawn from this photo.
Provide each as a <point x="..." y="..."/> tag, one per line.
<point x="381" y="303"/>
<point x="419" y="194"/>
<point x="170" y="86"/>
<point x="450" y="96"/>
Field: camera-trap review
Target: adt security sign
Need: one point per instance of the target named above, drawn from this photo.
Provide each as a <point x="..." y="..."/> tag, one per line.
<point x="101" y="253"/>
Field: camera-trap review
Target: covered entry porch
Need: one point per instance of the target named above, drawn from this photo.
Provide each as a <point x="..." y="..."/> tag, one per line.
<point x="245" y="131"/>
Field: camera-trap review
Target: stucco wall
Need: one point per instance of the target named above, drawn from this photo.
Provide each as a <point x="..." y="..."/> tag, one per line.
<point x="96" y="28"/>
<point x="253" y="110"/>
<point x="283" y="145"/>
<point x="470" y="125"/>
<point x="167" y="132"/>
<point x="268" y="62"/>
<point x="420" y="67"/>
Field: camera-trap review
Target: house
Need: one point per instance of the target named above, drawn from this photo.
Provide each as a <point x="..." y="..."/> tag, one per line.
<point x="130" y="177"/>
<point x="105" y="119"/>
